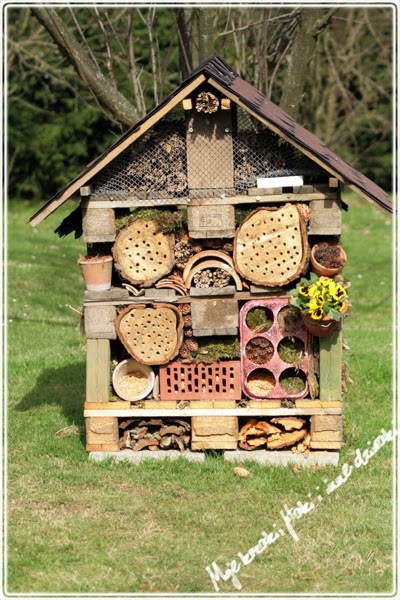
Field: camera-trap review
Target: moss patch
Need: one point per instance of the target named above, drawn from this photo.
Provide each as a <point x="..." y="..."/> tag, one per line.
<point x="291" y="350"/>
<point x="259" y="319"/>
<point x="166" y="221"/>
<point x="213" y="349"/>
<point x="292" y="385"/>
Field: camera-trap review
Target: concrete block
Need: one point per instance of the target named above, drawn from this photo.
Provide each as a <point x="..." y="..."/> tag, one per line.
<point x="98" y="225"/>
<point x="284" y="458"/>
<point x="100" y="322"/>
<point x="162" y="294"/>
<point x="114" y="293"/>
<point x="325" y="217"/>
<point x="138" y="457"/>
<point x="228" y="290"/>
<point x="211" y="221"/>
<point x="215" y="317"/>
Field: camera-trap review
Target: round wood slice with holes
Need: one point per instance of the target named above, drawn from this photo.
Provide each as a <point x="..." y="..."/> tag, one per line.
<point x="151" y="333"/>
<point x="142" y="254"/>
<point x="270" y="246"/>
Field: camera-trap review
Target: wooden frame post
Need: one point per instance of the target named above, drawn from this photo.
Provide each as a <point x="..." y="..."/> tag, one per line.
<point x="330" y="366"/>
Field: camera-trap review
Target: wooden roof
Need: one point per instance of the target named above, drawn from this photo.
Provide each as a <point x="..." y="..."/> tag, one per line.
<point x="219" y="74"/>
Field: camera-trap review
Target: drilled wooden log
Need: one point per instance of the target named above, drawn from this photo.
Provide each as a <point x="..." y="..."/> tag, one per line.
<point x="152" y="333"/>
<point x="142" y="254"/>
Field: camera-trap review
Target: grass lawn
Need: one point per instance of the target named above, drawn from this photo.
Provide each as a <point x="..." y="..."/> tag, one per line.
<point x="78" y="527"/>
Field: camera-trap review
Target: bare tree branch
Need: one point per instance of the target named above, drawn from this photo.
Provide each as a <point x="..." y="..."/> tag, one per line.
<point x="105" y="93"/>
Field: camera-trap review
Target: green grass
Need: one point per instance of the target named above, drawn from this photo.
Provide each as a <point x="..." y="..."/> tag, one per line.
<point x="76" y="526"/>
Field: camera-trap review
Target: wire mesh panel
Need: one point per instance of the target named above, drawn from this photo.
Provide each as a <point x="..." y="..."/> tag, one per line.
<point x="259" y="152"/>
<point x="156" y="165"/>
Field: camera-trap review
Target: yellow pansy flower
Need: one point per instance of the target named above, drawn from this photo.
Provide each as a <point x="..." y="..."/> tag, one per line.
<point x="340" y="306"/>
<point x="325" y="281"/>
<point x="312" y="289"/>
<point x="339" y="293"/>
<point x="303" y="289"/>
<point x="317" y="313"/>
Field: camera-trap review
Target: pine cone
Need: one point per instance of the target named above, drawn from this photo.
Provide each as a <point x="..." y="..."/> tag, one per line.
<point x="184" y="308"/>
<point x="212" y="244"/>
<point x="207" y="102"/>
<point x="197" y="247"/>
<point x="187" y="321"/>
<point x="184" y="351"/>
<point x="228" y="247"/>
<point x="192" y="344"/>
<point x="188" y="332"/>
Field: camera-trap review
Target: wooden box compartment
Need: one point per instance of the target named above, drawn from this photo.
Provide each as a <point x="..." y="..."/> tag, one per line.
<point x="270" y="369"/>
<point x="217" y="381"/>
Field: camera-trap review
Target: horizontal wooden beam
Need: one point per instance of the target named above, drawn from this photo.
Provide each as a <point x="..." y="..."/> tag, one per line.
<point x="213" y="412"/>
<point x="110" y="201"/>
<point x="188" y="299"/>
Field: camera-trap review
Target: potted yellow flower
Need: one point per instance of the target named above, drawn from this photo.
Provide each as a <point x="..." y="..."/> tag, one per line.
<point x="322" y="302"/>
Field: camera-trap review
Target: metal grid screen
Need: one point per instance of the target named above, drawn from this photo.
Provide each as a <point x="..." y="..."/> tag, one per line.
<point x="155" y="166"/>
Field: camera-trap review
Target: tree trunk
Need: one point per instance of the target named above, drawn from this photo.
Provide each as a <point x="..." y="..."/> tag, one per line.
<point x="312" y="22"/>
<point x="107" y="95"/>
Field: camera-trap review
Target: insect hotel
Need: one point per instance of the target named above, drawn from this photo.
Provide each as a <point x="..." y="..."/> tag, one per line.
<point x="207" y="224"/>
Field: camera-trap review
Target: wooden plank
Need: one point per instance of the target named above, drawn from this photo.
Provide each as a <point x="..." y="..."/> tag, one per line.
<point x="325" y="217"/>
<point x="225" y="104"/>
<point x="209" y="136"/>
<point x="318" y="404"/>
<point x="325" y="445"/>
<point x="214" y="433"/>
<point x="84" y="178"/>
<point x="85" y="191"/>
<point x="102" y="430"/>
<point x="257" y="404"/>
<point x="107" y="405"/>
<point x="188" y="299"/>
<point x="187" y="104"/>
<point x="98" y="371"/>
<point x="102" y="448"/>
<point x="333" y="182"/>
<point x="330" y="366"/>
<point x="214" y="412"/>
<point x="109" y="201"/>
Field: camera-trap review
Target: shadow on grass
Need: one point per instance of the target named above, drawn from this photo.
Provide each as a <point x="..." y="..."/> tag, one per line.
<point x="63" y="387"/>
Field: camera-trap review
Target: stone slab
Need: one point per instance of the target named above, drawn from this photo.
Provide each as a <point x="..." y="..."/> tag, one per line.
<point x="163" y="293"/>
<point x="114" y="293"/>
<point x="220" y="331"/>
<point x="284" y="458"/>
<point x="138" y="457"/>
<point x="228" y="290"/>
<point x="262" y="289"/>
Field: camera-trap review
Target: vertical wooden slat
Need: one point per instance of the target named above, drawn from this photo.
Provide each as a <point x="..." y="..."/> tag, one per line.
<point x="209" y="150"/>
<point x="330" y="366"/>
<point x="98" y="371"/>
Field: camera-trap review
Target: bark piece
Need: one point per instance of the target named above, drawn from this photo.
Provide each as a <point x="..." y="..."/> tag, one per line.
<point x="286" y="439"/>
<point x="289" y="423"/>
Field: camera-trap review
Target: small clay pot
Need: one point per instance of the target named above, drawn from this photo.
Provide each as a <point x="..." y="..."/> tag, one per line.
<point x="96" y="272"/>
<point x="321" y="328"/>
<point x="324" y="326"/>
<point x="319" y="269"/>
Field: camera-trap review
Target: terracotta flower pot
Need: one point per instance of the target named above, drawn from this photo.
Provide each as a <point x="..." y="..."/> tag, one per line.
<point x="320" y="269"/>
<point x="96" y="272"/>
<point x="321" y="328"/>
<point x="324" y="326"/>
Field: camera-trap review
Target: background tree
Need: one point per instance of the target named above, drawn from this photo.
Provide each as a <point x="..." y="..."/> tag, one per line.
<point x="79" y="77"/>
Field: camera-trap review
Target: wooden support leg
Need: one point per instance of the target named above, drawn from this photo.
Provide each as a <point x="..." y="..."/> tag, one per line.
<point x="330" y="367"/>
<point x="98" y="371"/>
<point x="102" y="433"/>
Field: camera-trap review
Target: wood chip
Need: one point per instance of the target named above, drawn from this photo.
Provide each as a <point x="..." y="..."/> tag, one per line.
<point x="241" y="472"/>
<point x="289" y="423"/>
